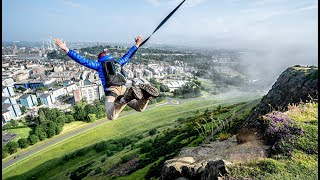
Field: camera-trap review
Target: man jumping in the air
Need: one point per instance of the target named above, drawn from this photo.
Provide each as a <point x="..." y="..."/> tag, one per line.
<point x="113" y="78"/>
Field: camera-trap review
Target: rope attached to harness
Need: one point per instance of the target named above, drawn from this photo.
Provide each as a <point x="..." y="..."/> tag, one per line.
<point x="163" y="21"/>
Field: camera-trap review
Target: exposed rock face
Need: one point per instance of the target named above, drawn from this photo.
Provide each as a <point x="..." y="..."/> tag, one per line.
<point x="294" y="85"/>
<point x="209" y="161"/>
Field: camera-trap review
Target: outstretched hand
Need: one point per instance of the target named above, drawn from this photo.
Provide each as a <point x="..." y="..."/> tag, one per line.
<point x="62" y="45"/>
<point x="138" y="40"/>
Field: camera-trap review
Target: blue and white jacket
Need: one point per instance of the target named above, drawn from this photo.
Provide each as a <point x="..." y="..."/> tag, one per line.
<point x="97" y="65"/>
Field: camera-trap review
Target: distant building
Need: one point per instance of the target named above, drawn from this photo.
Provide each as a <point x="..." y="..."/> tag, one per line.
<point x="172" y="85"/>
<point x="31" y="85"/>
<point x="84" y="75"/>
<point x="28" y="100"/>
<point x="147" y="74"/>
<point x="38" y="70"/>
<point x="6" y="116"/>
<point x="8" y="100"/>
<point x="67" y="83"/>
<point x="77" y="95"/>
<point x="14" y="109"/>
<point x="70" y="88"/>
<point x="58" y="68"/>
<point x="58" y="93"/>
<point x="7" y="82"/>
<point x="90" y="93"/>
<point x="7" y="91"/>
<point x="46" y="99"/>
<point x="138" y="73"/>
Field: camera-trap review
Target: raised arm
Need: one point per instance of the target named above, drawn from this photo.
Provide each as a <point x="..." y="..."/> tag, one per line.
<point x="126" y="58"/>
<point x="77" y="57"/>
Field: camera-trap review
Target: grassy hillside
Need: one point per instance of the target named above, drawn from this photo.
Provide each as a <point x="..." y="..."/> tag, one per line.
<point x="48" y="162"/>
<point x="294" y="152"/>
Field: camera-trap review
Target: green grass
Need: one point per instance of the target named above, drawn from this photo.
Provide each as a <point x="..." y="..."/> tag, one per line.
<point x="21" y="132"/>
<point x="66" y="129"/>
<point x="137" y="123"/>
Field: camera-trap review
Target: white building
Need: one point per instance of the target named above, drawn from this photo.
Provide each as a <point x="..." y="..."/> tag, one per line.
<point x="172" y="85"/>
<point x="70" y="88"/>
<point x="138" y="73"/>
<point x="88" y="92"/>
<point x="58" y="93"/>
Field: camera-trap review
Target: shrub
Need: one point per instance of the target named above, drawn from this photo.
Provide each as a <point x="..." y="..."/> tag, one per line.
<point x="23" y="143"/>
<point x="4" y="152"/>
<point x="33" y="139"/>
<point x="279" y="129"/>
<point x="101" y="146"/>
<point x="91" y="117"/>
<point x="224" y="136"/>
<point x="153" y="132"/>
<point x="98" y="170"/>
<point x="12" y="147"/>
<point x="103" y="159"/>
<point x="127" y="157"/>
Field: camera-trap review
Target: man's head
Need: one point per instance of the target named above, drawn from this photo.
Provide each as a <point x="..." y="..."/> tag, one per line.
<point x="103" y="53"/>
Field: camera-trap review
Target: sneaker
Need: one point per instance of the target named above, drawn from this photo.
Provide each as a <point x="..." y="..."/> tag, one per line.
<point x="133" y="93"/>
<point x="149" y="91"/>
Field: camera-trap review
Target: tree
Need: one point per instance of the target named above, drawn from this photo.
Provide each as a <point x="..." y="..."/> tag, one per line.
<point x="33" y="139"/>
<point x="164" y="88"/>
<point x="13" y="123"/>
<point x="23" y="109"/>
<point x="91" y="117"/>
<point x="101" y="111"/>
<point x="80" y="115"/>
<point x="12" y="147"/>
<point x="51" y="129"/>
<point x="4" y="152"/>
<point x="69" y="118"/>
<point x="59" y="128"/>
<point x="42" y="117"/>
<point x="23" y="143"/>
<point x="61" y="119"/>
<point x="90" y="109"/>
<point x="40" y="132"/>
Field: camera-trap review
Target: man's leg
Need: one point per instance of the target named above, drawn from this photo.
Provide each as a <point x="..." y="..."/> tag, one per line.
<point x="139" y="105"/>
<point x="114" y="107"/>
<point x="148" y="92"/>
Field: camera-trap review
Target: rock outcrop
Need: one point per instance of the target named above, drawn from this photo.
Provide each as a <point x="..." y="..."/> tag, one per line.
<point x="294" y="85"/>
<point x="209" y="161"/>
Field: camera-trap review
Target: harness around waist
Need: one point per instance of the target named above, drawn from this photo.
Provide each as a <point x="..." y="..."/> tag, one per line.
<point x="114" y="74"/>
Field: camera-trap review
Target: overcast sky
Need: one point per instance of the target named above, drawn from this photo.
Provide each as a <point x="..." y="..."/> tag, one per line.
<point x="285" y="30"/>
<point x="219" y="23"/>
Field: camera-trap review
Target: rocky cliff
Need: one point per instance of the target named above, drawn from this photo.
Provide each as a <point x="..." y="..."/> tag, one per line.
<point x="208" y="161"/>
<point x="294" y="85"/>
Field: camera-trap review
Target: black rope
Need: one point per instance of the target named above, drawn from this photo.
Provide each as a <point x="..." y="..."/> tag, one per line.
<point x="163" y="21"/>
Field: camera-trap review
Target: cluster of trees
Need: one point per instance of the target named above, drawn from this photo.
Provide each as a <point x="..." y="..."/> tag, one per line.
<point x="189" y="90"/>
<point x="88" y="112"/>
<point x="57" y="55"/>
<point x="50" y="122"/>
<point x="161" y="87"/>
